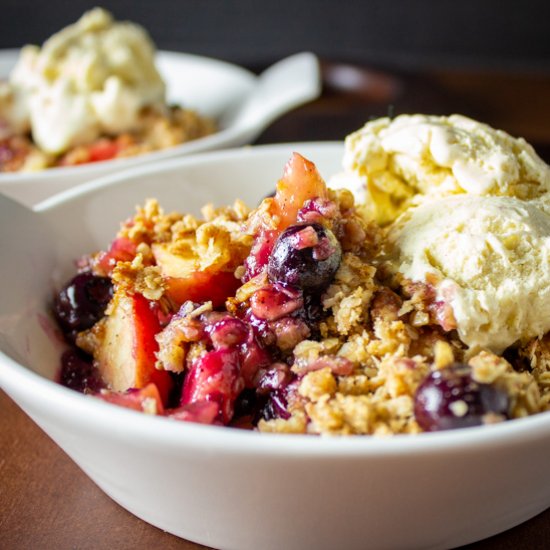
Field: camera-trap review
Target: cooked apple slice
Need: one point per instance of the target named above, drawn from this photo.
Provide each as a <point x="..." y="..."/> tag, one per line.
<point x="126" y="355"/>
<point x="214" y="377"/>
<point x="122" y="249"/>
<point x="184" y="280"/>
<point x="172" y="264"/>
<point x="201" y="412"/>
<point x="202" y="286"/>
<point x="301" y="181"/>
<point x="146" y="399"/>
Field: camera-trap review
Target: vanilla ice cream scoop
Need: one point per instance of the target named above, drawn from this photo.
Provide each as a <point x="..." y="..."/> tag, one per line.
<point x="92" y="78"/>
<point x="395" y="163"/>
<point x="488" y="258"/>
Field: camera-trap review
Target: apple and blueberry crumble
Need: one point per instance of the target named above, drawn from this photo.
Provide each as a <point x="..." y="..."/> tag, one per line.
<point x="285" y="318"/>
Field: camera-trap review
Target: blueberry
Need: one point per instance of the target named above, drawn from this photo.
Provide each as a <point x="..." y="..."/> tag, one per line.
<point x="275" y="406"/>
<point x="79" y="373"/>
<point x="305" y="256"/>
<point x="313" y="311"/>
<point x="450" y="398"/>
<point x="82" y="302"/>
<point x="246" y="403"/>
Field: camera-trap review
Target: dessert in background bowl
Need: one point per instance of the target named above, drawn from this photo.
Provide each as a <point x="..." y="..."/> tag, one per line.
<point x="97" y="97"/>
<point x="177" y="475"/>
<point x="91" y="93"/>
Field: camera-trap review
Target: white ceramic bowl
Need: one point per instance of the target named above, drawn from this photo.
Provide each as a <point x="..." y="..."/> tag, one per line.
<point x="229" y="488"/>
<point x="242" y="103"/>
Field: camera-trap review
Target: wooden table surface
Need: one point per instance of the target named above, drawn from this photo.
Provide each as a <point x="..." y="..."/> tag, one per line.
<point x="47" y="502"/>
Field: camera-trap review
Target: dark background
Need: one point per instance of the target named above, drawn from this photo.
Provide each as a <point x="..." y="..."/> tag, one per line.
<point x="508" y="35"/>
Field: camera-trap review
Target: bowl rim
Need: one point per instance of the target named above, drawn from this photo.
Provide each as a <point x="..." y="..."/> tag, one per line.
<point x="96" y="169"/>
<point x="95" y="415"/>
